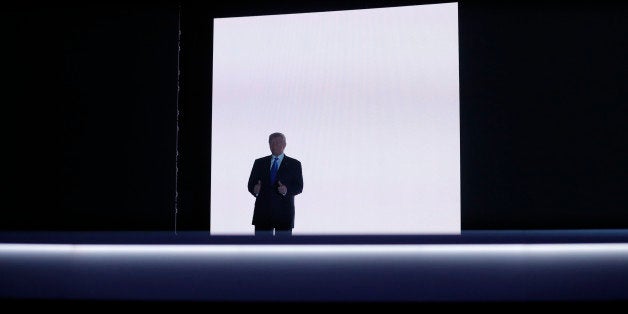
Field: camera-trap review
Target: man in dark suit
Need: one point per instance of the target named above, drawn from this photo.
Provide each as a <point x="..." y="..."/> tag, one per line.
<point x="274" y="181"/>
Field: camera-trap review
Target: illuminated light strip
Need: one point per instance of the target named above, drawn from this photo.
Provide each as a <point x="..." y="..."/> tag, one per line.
<point x="12" y="248"/>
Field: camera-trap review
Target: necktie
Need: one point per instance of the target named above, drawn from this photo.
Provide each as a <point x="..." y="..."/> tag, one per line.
<point x="273" y="171"/>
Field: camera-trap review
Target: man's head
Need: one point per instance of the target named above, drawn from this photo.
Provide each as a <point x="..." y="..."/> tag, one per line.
<point x="277" y="143"/>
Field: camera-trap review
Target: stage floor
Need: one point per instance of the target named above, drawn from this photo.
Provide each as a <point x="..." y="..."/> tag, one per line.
<point x="475" y="266"/>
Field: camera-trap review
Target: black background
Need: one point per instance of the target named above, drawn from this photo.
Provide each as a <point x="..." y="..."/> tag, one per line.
<point x="108" y="110"/>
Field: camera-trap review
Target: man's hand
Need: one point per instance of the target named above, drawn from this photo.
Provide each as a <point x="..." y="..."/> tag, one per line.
<point x="257" y="187"/>
<point x="283" y="190"/>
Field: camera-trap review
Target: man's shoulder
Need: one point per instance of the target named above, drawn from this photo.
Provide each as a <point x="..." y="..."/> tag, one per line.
<point x="262" y="158"/>
<point x="292" y="159"/>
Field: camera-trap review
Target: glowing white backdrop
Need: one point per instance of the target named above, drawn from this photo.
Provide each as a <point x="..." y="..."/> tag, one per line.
<point x="369" y="103"/>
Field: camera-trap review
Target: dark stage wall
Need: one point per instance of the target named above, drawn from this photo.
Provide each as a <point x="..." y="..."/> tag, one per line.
<point x="97" y="93"/>
<point x="543" y="111"/>
<point x="94" y="88"/>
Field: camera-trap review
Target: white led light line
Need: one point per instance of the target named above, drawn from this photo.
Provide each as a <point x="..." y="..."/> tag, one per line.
<point x="132" y="249"/>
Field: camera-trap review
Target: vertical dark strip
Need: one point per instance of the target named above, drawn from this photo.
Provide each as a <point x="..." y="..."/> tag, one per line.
<point x="193" y="181"/>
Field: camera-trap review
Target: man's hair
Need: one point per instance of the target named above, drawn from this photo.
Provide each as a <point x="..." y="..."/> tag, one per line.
<point x="276" y="134"/>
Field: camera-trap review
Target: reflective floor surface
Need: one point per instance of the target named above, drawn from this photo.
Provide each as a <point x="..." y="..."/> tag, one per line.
<point x="475" y="266"/>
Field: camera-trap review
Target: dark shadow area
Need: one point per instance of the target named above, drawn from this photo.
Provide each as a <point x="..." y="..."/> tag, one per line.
<point x="93" y="108"/>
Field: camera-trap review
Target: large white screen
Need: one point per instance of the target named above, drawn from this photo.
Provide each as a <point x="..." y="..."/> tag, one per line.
<point x="369" y="103"/>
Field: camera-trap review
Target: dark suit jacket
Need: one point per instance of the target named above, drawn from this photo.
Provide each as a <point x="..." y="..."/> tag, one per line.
<point x="271" y="208"/>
